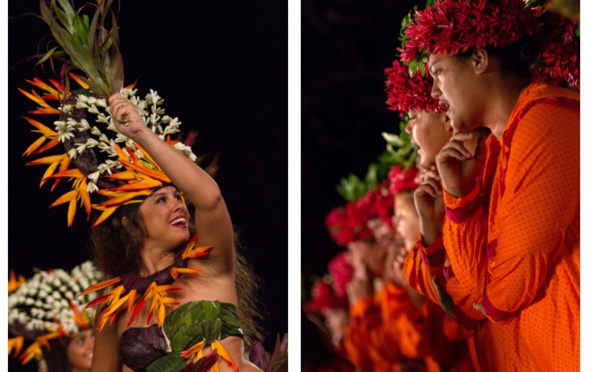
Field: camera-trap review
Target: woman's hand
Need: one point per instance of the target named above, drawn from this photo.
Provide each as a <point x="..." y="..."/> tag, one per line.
<point x="125" y="116"/>
<point x="457" y="167"/>
<point x="430" y="206"/>
<point x="361" y="285"/>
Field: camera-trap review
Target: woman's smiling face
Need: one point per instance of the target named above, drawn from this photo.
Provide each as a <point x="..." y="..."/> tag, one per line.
<point x="166" y="218"/>
<point x="80" y="351"/>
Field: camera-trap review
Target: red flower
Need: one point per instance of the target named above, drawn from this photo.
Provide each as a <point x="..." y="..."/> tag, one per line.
<point x="406" y="93"/>
<point x="558" y="61"/>
<point x="455" y="26"/>
<point x="323" y="297"/>
<point x="384" y="203"/>
<point x="341" y="272"/>
<point x="349" y="224"/>
<point x="402" y="180"/>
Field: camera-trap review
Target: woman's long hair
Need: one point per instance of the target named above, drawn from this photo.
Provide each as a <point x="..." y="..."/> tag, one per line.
<point x="56" y="357"/>
<point x="116" y="249"/>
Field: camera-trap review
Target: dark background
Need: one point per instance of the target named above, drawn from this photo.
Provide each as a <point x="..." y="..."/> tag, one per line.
<point x="346" y="45"/>
<point x="221" y="67"/>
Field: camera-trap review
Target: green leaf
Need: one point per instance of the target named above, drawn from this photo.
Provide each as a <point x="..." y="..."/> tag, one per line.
<point x="168" y="363"/>
<point x="48" y="54"/>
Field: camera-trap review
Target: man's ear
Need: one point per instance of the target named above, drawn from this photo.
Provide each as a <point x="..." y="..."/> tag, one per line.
<point x="480" y="61"/>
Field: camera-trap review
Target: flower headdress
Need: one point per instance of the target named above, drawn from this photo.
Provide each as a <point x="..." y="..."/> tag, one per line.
<point x="409" y="92"/>
<point x="558" y="60"/>
<point x="46" y="306"/>
<point x="341" y="272"/>
<point x="408" y="85"/>
<point x="324" y="297"/>
<point x="455" y="26"/>
<point x="348" y="224"/>
<point x="402" y="180"/>
<point x="96" y="158"/>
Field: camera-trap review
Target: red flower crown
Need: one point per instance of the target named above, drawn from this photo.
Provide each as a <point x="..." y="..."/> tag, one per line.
<point x="401" y="180"/>
<point x="341" y="273"/>
<point x="324" y="297"/>
<point x="405" y="92"/>
<point x="455" y="26"/>
<point x="348" y="224"/>
<point x="559" y="56"/>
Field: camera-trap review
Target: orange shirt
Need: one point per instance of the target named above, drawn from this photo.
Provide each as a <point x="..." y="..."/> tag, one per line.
<point x="456" y="342"/>
<point x="518" y="255"/>
<point x="369" y="342"/>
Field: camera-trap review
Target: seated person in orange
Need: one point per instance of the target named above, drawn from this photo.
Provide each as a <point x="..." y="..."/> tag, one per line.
<point x="329" y="299"/>
<point x="514" y="254"/>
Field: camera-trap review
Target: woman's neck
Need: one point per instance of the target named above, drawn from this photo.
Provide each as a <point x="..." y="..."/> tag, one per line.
<point x="507" y="94"/>
<point x="154" y="260"/>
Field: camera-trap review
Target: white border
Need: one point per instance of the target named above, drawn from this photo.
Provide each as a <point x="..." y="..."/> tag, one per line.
<point x="294" y="206"/>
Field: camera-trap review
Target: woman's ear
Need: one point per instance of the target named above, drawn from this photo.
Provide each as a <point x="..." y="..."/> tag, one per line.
<point x="124" y="222"/>
<point x="480" y="61"/>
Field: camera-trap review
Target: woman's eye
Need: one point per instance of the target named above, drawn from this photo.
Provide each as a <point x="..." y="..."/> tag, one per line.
<point x="162" y="199"/>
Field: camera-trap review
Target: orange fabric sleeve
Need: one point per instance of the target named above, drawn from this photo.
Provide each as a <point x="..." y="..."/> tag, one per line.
<point x="368" y="340"/>
<point x="421" y="264"/>
<point x="537" y="207"/>
<point x="465" y="237"/>
<point x="465" y="241"/>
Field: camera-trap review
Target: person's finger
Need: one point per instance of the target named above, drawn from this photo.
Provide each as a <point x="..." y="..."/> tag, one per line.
<point x="460" y="146"/>
<point x="431" y="174"/>
<point x="425" y="189"/>
<point x="481" y="149"/>
<point x="462" y="136"/>
<point x="448" y="154"/>
<point x="435" y="185"/>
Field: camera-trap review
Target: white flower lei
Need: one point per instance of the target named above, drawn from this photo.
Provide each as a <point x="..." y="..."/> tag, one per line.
<point x="105" y="139"/>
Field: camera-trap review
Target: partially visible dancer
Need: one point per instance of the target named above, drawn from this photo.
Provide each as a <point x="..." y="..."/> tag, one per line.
<point x="366" y="342"/>
<point x="511" y="232"/>
<point x="46" y="312"/>
<point x="317" y="352"/>
<point x="329" y="298"/>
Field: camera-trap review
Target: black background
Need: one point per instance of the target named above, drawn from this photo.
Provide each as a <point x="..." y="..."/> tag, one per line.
<point x="346" y="45"/>
<point x="221" y="67"/>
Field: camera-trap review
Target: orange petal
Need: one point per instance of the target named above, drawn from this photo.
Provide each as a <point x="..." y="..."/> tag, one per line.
<point x="223" y="353"/>
<point x="79" y="80"/>
<point x="34" y="146"/>
<point x="101" y="285"/>
<point x="136" y="311"/>
<point x="181" y="270"/>
<point x="197" y="252"/>
<point x="15" y="343"/>
<point x="107" y="212"/>
<point x="69" y="196"/>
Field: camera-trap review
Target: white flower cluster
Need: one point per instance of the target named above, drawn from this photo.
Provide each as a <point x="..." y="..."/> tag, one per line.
<point x="105" y="139"/>
<point x="43" y="300"/>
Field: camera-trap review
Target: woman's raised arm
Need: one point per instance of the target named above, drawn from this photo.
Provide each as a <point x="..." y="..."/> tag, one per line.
<point x="213" y="223"/>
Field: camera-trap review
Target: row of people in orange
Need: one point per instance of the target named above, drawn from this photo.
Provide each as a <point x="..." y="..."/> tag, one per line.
<point x="493" y="251"/>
